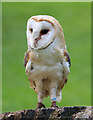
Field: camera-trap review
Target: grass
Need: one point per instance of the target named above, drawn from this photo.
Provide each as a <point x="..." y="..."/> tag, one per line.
<point x="75" y="20"/>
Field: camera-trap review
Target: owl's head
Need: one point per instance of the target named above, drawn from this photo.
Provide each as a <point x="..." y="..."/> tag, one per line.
<point x="42" y="31"/>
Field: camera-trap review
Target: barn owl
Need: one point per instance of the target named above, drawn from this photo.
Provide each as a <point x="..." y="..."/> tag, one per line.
<point x="47" y="62"/>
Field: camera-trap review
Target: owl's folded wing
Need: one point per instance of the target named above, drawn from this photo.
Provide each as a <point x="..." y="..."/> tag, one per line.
<point x="26" y="57"/>
<point x="67" y="56"/>
<point x="66" y="61"/>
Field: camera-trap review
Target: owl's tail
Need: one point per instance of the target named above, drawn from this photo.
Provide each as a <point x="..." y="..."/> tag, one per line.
<point x="59" y="96"/>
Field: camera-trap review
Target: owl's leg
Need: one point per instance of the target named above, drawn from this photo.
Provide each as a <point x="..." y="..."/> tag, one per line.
<point x="59" y="96"/>
<point x="40" y="100"/>
<point x="40" y="93"/>
<point x="53" y="97"/>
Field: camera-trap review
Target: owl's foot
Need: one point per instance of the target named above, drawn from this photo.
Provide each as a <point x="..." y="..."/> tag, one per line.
<point x="54" y="104"/>
<point x="40" y="105"/>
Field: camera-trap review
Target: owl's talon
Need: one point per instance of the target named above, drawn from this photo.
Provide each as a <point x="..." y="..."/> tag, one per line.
<point x="54" y="104"/>
<point x="40" y="105"/>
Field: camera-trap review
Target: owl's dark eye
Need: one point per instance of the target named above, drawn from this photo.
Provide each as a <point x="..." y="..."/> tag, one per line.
<point x="44" y="31"/>
<point x="31" y="30"/>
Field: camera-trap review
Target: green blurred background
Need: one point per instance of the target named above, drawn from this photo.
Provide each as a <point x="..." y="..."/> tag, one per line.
<point x="75" y="20"/>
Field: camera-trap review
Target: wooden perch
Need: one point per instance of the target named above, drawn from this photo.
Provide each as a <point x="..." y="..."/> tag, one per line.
<point x="50" y="113"/>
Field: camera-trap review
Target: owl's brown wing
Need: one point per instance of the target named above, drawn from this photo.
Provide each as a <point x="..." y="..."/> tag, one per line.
<point x="66" y="54"/>
<point x="66" y="64"/>
<point x="26" y="57"/>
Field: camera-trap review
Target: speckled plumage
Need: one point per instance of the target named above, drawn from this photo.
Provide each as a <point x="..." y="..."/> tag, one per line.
<point x="47" y="61"/>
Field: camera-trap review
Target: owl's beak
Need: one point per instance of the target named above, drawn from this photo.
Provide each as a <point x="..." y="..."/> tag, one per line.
<point x="36" y="40"/>
<point x="36" y="37"/>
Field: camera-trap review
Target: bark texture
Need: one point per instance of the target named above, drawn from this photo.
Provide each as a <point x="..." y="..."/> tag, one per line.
<point x="64" y="113"/>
